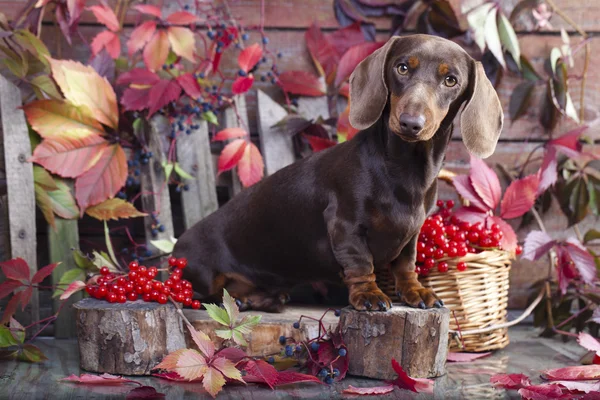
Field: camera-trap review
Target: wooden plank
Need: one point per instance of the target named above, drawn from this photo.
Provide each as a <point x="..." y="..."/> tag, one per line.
<point x="19" y="176"/>
<point x="313" y="107"/>
<point x="194" y="156"/>
<point x="61" y="242"/>
<point x="276" y="147"/>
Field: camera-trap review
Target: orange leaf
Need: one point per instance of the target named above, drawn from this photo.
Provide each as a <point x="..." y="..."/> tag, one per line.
<point x="157" y="50"/>
<point x="230" y="133"/>
<point x="213" y="381"/>
<point x="108" y="40"/>
<point x="103" y="180"/>
<point x="251" y="167"/>
<point x="148" y="9"/>
<point x="343" y="125"/>
<point x="227" y="368"/>
<point x="169" y="362"/>
<point x="182" y="18"/>
<point x="242" y="84"/>
<point x="202" y="340"/>
<point x="249" y="57"/>
<point x="53" y="118"/>
<point x="105" y="15"/>
<point x="72" y="288"/>
<point x="82" y="86"/>
<point x="69" y="157"/>
<point x="182" y="42"/>
<point x="231" y="154"/>
<point x="140" y="36"/>
<point x="191" y="365"/>
<point x="114" y="209"/>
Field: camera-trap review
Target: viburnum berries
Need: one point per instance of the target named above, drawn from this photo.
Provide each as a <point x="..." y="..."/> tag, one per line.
<point x="140" y="281"/>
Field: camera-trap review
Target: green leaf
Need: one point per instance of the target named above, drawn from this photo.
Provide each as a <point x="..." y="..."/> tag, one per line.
<point x="17" y="330"/>
<point x="180" y="171"/>
<point x="68" y="277"/>
<point x="83" y="261"/>
<point x="492" y="37"/>
<point x="101" y="259"/>
<point x="570" y="108"/>
<point x="528" y="71"/>
<point x="168" y="167"/>
<point x="164" y="245"/>
<point x="171" y="58"/>
<point x="42" y="199"/>
<point x="554" y="57"/>
<point x="590" y="235"/>
<point x="43" y="178"/>
<point x="210" y="117"/>
<point x="6" y="338"/>
<point x="476" y="19"/>
<point x="45" y="84"/>
<point x="508" y="38"/>
<point x="247" y="323"/>
<point x="31" y="353"/>
<point x="218" y="314"/>
<point x="594" y="193"/>
<point x="520" y="99"/>
<point x="239" y="338"/>
<point x="63" y="202"/>
<point x="33" y="44"/>
<point x="233" y="312"/>
<point x="548" y="113"/>
<point x="224" y="333"/>
<point x="109" y="246"/>
<point x="19" y="69"/>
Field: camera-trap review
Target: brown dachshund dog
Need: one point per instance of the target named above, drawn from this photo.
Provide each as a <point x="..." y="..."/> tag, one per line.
<point x="359" y="205"/>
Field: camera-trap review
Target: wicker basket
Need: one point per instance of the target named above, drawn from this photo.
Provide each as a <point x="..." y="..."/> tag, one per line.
<point x="477" y="297"/>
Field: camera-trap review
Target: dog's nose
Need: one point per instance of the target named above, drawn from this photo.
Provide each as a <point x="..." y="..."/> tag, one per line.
<point x="411" y="124"/>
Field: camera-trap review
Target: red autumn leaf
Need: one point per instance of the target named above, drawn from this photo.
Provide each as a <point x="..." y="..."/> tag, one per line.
<point x="343" y="124"/>
<point x="324" y="55"/>
<point x="352" y="58"/>
<point x="190" y="85"/>
<point x="318" y="143"/>
<point x="16" y="269"/>
<point x="43" y="273"/>
<point x="157" y="50"/>
<point x="345" y="90"/>
<point x="144" y="393"/>
<point x="138" y="76"/>
<point x="578" y="373"/>
<point x="589" y="342"/>
<point x="290" y="377"/>
<point x="104" y="379"/>
<point x="26" y="297"/>
<point x="104" y="179"/>
<point x="470" y="215"/>
<point x="174" y="376"/>
<point x="135" y="99"/>
<point x="519" y="197"/>
<point x="233" y="354"/>
<point x="403" y="381"/>
<point x="569" y="143"/>
<point x="231" y="154"/>
<point x="583" y="260"/>
<point x="107" y="40"/>
<point x="251" y="166"/>
<point x="510" y="381"/>
<point x="71" y="155"/>
<point x="328" y="355"/>
<point x="541" y="392"/>
<point x="485" y="182"/>
<point x="344" y="38"/>
<point x="140" y="36"/>
<point x="182" y="18"/>
<point x="249" y="57"/>
<point x="548" y="171"/>
<point x="369" y="390"/>
<point x="465" y="357"/>
<point x="71" y="289"/>
<point x="575" y="386"/>
<point x="148" y="9"/>
<point x="230" y="133"/>
<point x="260" y="371"/>
<point x="302" y="83"/>
<point x="8" y="286"/>
<point x="162" y="94"/>
<point x="242" y="84"/>
<point x="509" y="238"/>
<point x="462" y="184"/>
<point x="11" y="307"/>
<point x="105" y="15"/>
<point x="537" y="243"/>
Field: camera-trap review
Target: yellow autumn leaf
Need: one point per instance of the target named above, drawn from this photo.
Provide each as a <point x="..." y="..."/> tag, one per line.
<point x="182" y="42"/>
<point x="114" y="209"/>
<point x="83" y="86"/>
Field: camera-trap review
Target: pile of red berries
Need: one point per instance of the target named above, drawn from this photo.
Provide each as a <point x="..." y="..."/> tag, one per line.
<point x="443" y="236"/>
<point x="140" y="282"/>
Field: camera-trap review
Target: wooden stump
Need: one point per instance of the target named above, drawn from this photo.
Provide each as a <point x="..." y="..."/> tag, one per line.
<point x="417" y="339"/>
<point x="126" y="339"/>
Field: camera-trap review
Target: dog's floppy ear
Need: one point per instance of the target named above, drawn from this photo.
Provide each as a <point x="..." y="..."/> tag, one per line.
<point x="482" y="118"/>
<point x="368" y="87"/>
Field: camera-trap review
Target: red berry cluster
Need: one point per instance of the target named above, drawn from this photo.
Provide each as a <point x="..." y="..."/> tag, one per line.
<point x="141" y="282"/>
<point x="443" y="236"/>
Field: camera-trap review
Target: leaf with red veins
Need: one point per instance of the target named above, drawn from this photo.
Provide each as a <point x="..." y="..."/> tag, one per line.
<point x="260" y="371"/>
<point x="107" y="40"/>
<point x="231" y="155"/>
<point x="157" y="50"/>
<point x="251" y="166"/>
<point x="42" y="273"/>
<point x="182" y="42"/>
<point x="577" y="373"/>
<point x="519" y="197"/>
<point x="8" y="286"/>
<point x="542" y="392"/>
<point x="510" y="381"/>
<point x="182" y="18"/>
<point x="583" y="260"/>
<point x="230" y="133"/>
<point x="161" y="94"/>
<point x="574" y="386"/>
<point x="141" y="36"/>
<point x="105" y="15"/>
<point x="242" y="84"/>
<point x="135" y="99"/>
<point x="233" y="354"/>
<point x="537" y="243"/>
<point x="249" y="57"/>
<point x="462" y="184"/>
<point x="149" y="10"/>
<point x="569" y="143"/>
<point x="509" y="238"/>
<point x="16" y="269"/>
<point x="190" y="85"/>
<point x="589" y="342"/>
<point x="74" y="287"/>
<point x="485" y="182"/>
<point x="138" y="76"/>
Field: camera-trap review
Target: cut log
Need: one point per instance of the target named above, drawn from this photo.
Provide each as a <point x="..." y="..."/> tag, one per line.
<point x="416" y="339"/>
<point x="126" y="339"/>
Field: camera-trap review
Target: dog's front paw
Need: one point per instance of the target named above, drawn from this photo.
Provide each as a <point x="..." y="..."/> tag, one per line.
<point x="420" y="297"/>
<point x="370" y="300"/>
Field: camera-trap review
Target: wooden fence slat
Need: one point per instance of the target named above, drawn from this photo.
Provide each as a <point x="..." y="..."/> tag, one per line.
<point x="194" y="156"/>
<point x="313" y="107"/>
<point x="19" y="177"/>
<point x="61" y="241"/>
<point x="277" y="148"/>
<point x="230" y="120"/>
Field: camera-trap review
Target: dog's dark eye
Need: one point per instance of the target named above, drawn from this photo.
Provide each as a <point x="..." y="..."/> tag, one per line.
<point x="403" y="69"/>
<point x="450" y="81"/>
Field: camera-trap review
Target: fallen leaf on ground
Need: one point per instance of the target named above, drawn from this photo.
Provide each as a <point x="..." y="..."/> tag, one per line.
<point x="403" y="381"/>
<point x="104" y="379"/>
<point x="510" y="381"/>
<point x="369" y="390"/>
<point x="578" y="373"/>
